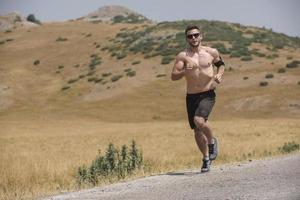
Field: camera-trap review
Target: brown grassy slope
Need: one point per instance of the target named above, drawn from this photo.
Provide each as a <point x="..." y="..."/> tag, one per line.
<point x="35" y="90"/>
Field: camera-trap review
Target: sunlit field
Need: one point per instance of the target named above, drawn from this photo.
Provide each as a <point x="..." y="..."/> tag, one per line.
<point x="41" y="157"/>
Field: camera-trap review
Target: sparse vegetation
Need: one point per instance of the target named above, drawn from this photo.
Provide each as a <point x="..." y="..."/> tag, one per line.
<point x="115" y="164"/>
<point x="269" y="76"/>
<point x="61" y="39"/>
<point x="293" y="64"/>
<point x="136" y="62"/>
<point x="36" y="62"/>
<point x="131" y="73"/>
<point x="73" y="80"/>
<point x="160" y="75"/>
<point x="281" y="70"/>
<point x="106" y="74"/>
<point x="116" y="78"/>
<point x="61" y="67"/>
<point x="263" y="83"/>
<point x="245" y="78"/>
<point x="289" y="147"/>
<point x="32" y="18"/>
<point x="65" y="88"/>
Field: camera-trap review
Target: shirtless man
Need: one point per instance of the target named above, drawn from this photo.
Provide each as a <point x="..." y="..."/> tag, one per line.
<point x="196" y="65"/>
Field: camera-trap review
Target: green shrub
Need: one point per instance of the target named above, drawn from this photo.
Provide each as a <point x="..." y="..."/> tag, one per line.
<point x="81" y="76"/>
<point x="77" y="65"/>
<point x="127" y="70"/>
<point x="91" y="79"/>
<point x="269" y="76"/>
<point x="281" y="70"/>
<point x="116" y="78"/>
<point x="61" y="67"/>
<point x="289" y="57"/>
<point x="131" y="73"/>
<point x="98" y="80"/>
<point x="221" y="48"/>
<point x="246" y="58"/>
<point x="9" y="39"/>
<point x="88" y="35"/>
<point x="160" y="75"/>
<point x="293" y="64"/>
<point x="36" y="62"/>
<point x="65" y="88"/>
<point x="32" y="18"/>
<point x="136" y="62"/>
<point x="114" y="164"/>
<point x="2" y="42"/>
<point x="106" y="74"/>
<point x="298" y="82"/>
<point x="263" y="83"/>
<point x="246" y="78"/>
<point x="61" y="39"/>
<point x="289" y="147"/>
<point x="73" y="80"/>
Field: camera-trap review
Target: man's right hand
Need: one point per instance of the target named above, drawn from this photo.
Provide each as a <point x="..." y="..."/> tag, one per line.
<point x="190" y="63"/>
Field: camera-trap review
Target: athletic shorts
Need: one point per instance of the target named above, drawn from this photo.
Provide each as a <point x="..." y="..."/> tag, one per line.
<point x="199" y="104"/>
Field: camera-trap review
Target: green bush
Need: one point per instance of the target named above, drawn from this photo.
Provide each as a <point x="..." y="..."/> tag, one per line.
<point x="293" y="64"/>
<point x="116" y="78"/>
<point x="32" y="18"/>
<point x="115" y="164"/>
<point x="65" y="88"/>
<point x="131" y="73"/>
<point x="246" y="78"/>
<point x="73" y="80"/>
<point x="61" y="67"/>
<point x="160" y="75"/>
<point x="269" y="76"/>
<point x="281" y="70"/>
<point x="289" y="147"/>
<point x="263" y="83"/>
<point x="136" y="62"/>
<point x="61" y="39"/>
<point x="36" y="62"/>
<point x="106" y="74"/>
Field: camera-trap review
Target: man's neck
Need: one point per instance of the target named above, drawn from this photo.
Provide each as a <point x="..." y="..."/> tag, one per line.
<point x="195" y="49"/>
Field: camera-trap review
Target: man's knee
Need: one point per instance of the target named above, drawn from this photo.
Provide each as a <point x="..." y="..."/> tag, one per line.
<point x="199" y="121"/>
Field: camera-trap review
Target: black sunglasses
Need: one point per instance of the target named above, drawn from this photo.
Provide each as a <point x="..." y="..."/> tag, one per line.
<point x="195" y="35"/>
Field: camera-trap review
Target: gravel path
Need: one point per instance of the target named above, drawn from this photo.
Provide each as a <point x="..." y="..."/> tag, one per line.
<point x="276" y="179"/>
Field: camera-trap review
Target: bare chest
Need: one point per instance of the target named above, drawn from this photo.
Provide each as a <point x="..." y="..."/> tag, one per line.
<point x="203" y="60"/>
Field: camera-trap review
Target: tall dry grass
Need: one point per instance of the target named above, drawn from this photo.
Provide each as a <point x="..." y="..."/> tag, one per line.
<point x="41" y="157"/>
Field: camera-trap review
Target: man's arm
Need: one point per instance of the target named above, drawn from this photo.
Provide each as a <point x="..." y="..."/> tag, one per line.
<point x="178" y="70"/>
<point x="219" y="63"/>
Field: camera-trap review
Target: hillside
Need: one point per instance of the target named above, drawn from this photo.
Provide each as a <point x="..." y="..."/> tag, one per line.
<point x="81" y="68"/>
<point x="68" y="89"/>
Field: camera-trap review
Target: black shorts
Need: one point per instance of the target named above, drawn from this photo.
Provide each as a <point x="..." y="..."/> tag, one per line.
<point x="199" y="104"/>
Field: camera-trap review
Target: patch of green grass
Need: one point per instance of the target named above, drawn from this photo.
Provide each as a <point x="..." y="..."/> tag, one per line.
<point x="116" y="78"/>
<point x="269" y="76"/>
<point x="131" y="73"/>
<point x="289" y="147"/>
<point x="136" y="62"/>
<point x="36" y="62"/>
<point x="114" y="164"/>
<point x="61" y="39"/>
<point x="263" y="83"/>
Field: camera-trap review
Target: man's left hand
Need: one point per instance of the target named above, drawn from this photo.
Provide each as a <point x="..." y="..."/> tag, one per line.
<point x="218" y="78"/>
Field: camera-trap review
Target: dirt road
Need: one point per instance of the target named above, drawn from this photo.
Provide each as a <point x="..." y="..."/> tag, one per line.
<point x="276" y="179"/>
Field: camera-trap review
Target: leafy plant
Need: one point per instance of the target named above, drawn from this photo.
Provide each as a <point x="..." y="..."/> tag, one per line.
<point x="269" y="76"/>
<point x="289" y="147"/>
<point x="114" y="164"/>
<point x="36" y="62"/>
<point x="263" y="83"/>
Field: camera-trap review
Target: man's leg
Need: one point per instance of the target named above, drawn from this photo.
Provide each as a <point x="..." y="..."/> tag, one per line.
<point x="211" y="141"/>
<point x="205" y="128"/>
<point x="201" y="141"/>
<point x="202" y="145"/>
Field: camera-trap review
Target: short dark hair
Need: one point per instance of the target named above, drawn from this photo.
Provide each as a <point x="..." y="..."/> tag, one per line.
<point x="191" y="27"/>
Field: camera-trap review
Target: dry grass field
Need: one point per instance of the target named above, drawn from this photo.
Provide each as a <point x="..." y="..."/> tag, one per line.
<point x="47" y="133"/>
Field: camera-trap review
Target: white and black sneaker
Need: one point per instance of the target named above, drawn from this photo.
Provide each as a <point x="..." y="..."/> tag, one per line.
<point x="205" y="165"/>
<point x="213" y="149"/>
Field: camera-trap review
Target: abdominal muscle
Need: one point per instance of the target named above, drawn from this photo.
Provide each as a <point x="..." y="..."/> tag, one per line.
<point x="199" y="80"/>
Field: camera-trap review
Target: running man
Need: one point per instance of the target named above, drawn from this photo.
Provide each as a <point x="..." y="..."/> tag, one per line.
<point x="196" y="64"/>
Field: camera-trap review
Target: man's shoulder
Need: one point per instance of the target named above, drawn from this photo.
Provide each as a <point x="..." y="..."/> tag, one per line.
<point x="212" y="51"/>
